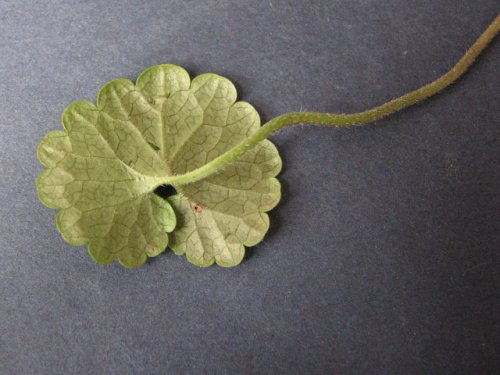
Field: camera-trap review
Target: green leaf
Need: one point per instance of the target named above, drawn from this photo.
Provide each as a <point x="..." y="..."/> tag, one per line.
<point x="103" y="169"/>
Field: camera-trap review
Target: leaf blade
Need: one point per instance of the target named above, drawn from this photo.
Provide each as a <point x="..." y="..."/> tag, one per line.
<point x="103" y="169"/>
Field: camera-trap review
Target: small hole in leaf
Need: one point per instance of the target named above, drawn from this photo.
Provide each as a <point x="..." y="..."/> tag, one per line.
<point x="165" y="191"/>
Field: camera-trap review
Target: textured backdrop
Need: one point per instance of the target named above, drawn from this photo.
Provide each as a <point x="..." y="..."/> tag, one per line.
<point x="382" y="256"/>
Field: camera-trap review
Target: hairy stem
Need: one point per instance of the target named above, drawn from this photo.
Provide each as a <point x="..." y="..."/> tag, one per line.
<point x="328" y="119"/>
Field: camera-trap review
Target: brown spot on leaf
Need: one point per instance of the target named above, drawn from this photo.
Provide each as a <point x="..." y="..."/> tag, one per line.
<point x="197" y="208"/>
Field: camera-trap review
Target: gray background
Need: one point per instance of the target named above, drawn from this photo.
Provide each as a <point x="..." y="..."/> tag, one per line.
<point x="382" y="256"/>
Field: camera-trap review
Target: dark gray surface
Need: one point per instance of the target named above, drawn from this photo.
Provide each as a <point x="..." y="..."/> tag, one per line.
<point x="382" y="255"/>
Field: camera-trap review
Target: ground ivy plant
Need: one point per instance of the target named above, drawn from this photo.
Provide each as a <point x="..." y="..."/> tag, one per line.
<point x="166" y="129"/>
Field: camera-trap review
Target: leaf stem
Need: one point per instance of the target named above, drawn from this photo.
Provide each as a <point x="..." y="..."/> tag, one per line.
<point x="328" y="119"/>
